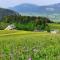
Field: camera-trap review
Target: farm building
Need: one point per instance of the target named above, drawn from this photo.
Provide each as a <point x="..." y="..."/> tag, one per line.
<point x="10" y="27"/>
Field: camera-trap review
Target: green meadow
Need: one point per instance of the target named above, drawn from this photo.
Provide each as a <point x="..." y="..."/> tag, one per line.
<point x="23" y="45"/>
<point x="54" y="26"/>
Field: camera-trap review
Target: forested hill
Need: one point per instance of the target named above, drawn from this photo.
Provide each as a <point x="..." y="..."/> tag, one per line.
<point x="6" y="12"/>
<point x="28" y="23"/>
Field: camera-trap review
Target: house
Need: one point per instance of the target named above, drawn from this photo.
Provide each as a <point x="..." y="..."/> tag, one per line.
<point x="10" y="27"/>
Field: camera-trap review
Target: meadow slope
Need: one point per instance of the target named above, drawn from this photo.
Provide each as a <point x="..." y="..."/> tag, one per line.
<point x="23" y="45"/>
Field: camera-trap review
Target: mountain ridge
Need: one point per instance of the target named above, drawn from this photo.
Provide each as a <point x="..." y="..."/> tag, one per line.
<point x="26" y="6"/>
<point x="52" y="11"/>
<point x="6" y="12"/>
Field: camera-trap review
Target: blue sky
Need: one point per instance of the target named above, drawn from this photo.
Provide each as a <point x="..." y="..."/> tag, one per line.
<point x="10" y="3"/>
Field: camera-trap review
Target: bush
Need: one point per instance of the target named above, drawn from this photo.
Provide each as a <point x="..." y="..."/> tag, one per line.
<point x="28" y="26"/>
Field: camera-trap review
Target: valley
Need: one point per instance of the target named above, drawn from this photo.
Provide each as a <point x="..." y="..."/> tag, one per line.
<point x="30" y="32"/>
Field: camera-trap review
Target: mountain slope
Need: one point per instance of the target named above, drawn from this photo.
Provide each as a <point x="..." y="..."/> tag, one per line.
<point x="50" y="11"/>
<point x="25" y="8"/>
<point x="6" y="12"/>
<point x="55" y="8"/>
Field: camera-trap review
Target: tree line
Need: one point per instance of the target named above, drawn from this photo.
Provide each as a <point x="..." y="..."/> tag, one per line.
<point x="26" y="22"/>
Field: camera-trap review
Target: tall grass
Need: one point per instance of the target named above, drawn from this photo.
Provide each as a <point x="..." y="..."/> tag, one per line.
<point x="29" y="45"/>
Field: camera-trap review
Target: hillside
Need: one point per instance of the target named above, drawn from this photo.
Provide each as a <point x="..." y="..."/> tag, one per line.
<point x="52" y="11"/>
<point x="6" y="12"/>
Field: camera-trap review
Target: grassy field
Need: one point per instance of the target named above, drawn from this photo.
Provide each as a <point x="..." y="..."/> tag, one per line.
<point x="23" y="45"/>
<point x="54" y="26"/>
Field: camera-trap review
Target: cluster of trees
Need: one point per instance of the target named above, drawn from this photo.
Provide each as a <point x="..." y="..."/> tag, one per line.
<point x="26" y="22"/>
